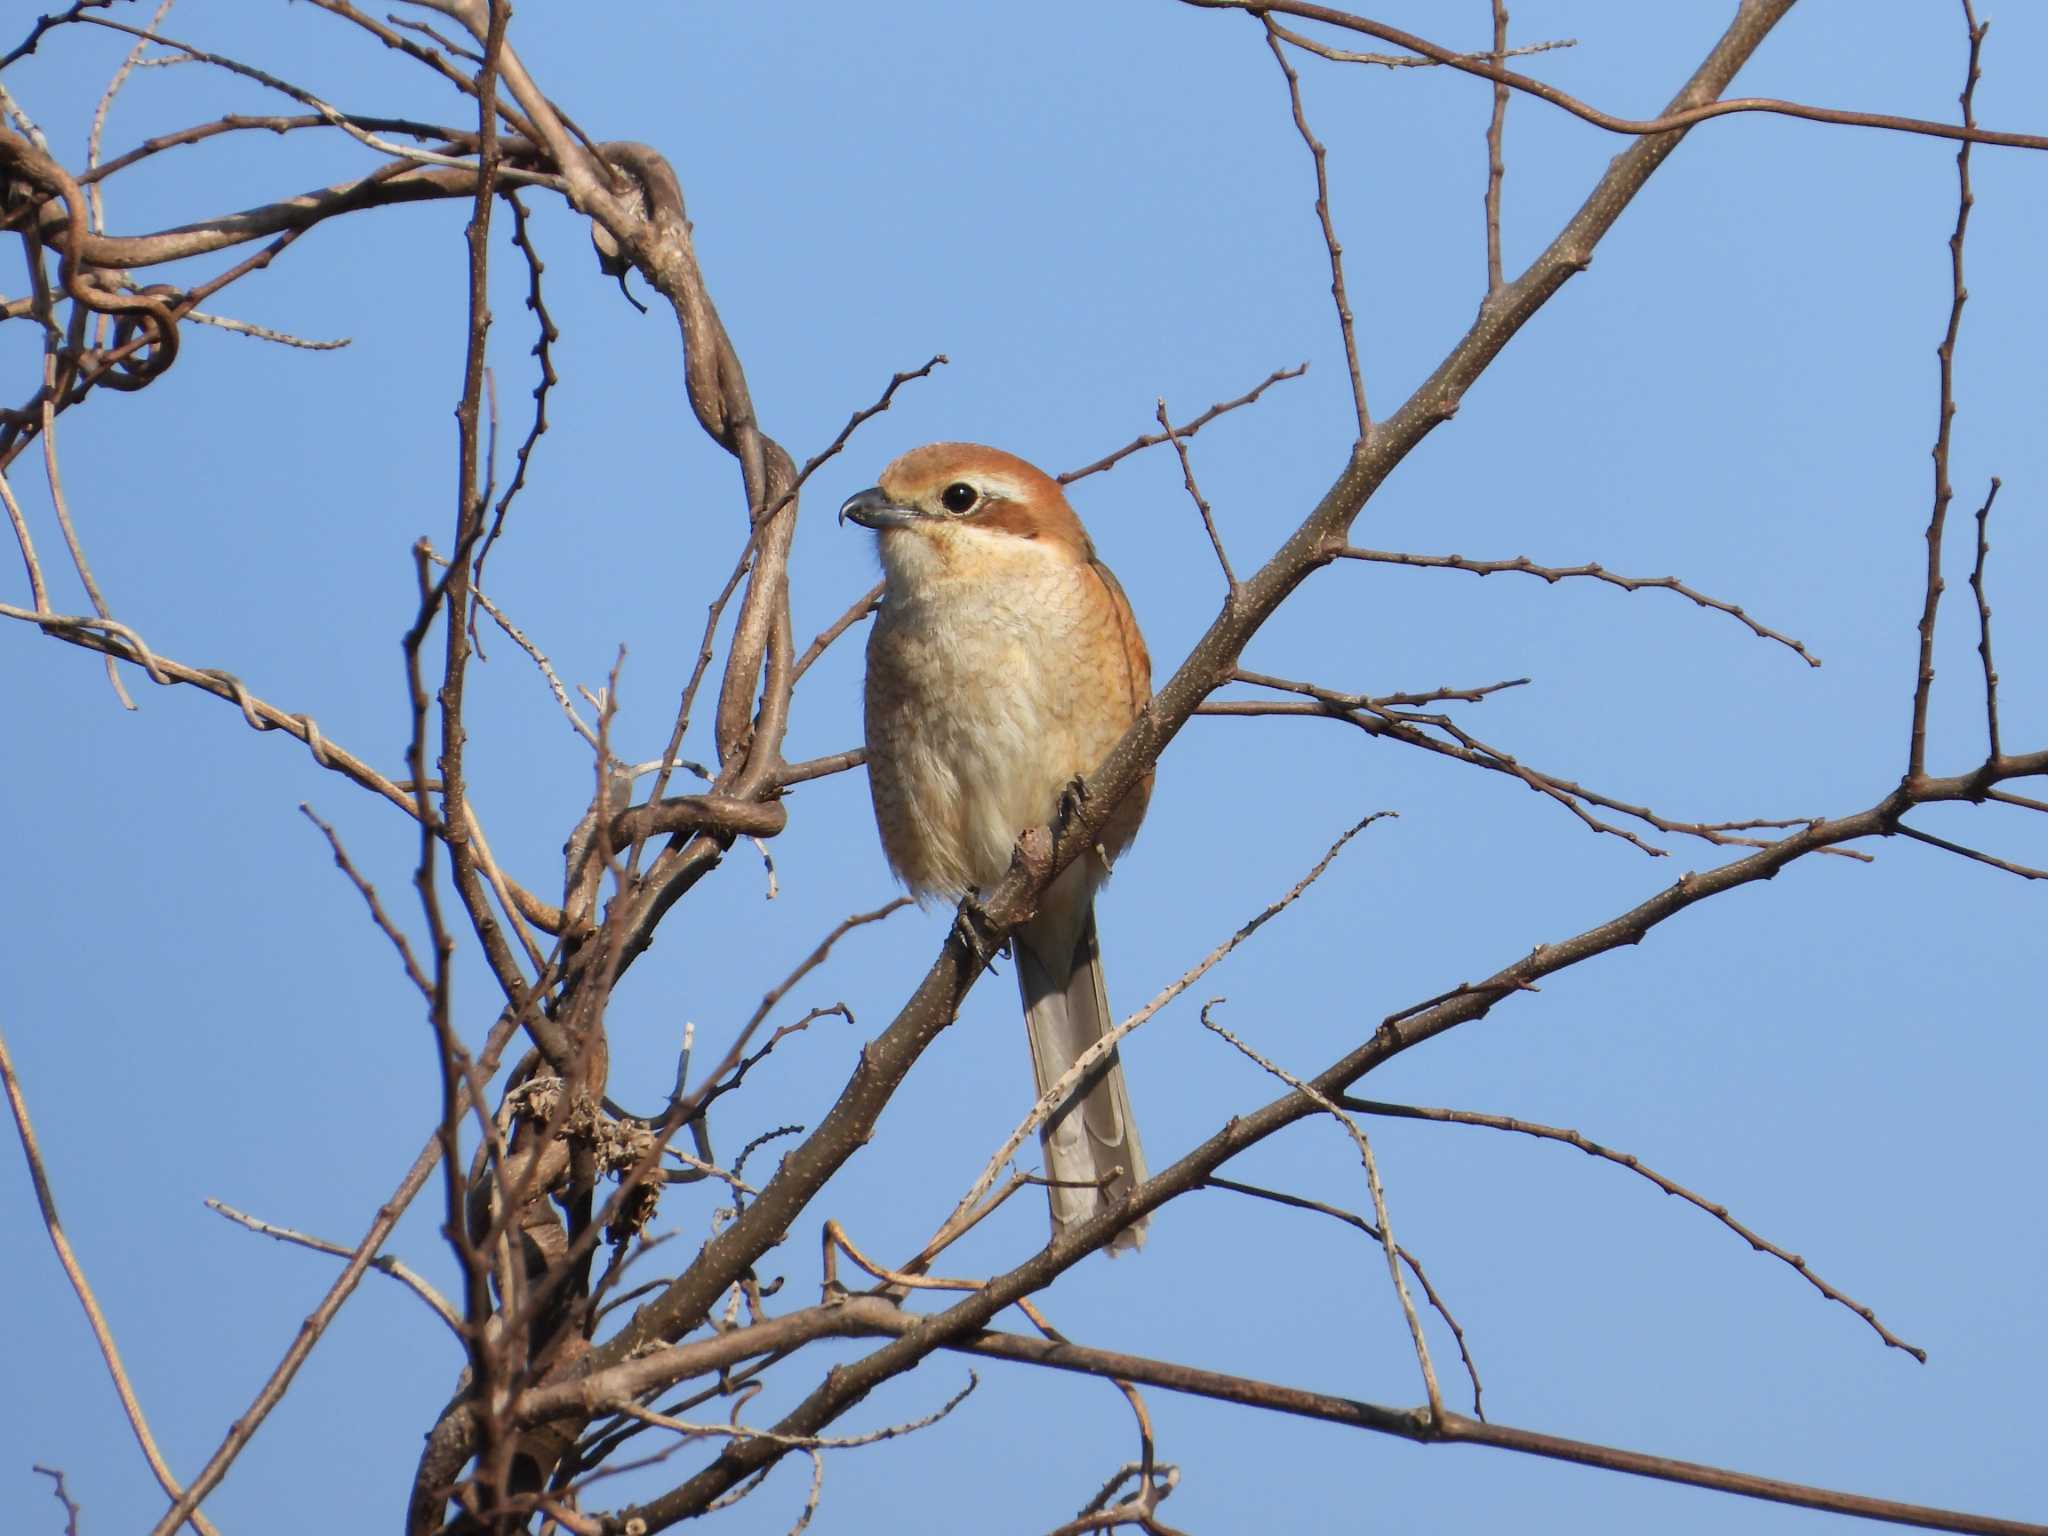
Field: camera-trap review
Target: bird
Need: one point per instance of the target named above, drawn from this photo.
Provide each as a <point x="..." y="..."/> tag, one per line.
<point x="1003" y="665"/>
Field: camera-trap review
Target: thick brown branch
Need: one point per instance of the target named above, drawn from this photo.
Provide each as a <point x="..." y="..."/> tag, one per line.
<point x="822" y="767"/>
<point x="699" y="813"/>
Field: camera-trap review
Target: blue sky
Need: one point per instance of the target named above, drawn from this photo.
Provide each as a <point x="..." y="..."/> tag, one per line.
<point x="1088" y="209"/>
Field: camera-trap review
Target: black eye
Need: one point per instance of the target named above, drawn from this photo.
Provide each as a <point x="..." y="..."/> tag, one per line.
<point x="959" y="496"/>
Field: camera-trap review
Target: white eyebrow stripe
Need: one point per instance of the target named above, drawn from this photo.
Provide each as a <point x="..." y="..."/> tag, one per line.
<point x="998" y="486"/>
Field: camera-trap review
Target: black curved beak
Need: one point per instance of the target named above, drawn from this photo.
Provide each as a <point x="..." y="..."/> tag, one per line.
<point x="872" y="509"/>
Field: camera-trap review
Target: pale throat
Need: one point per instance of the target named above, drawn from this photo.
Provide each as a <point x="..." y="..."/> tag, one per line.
<point x="951" y="560"/>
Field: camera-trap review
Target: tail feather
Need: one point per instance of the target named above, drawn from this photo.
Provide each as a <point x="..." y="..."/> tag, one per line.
<point x="1066" y="1010"/>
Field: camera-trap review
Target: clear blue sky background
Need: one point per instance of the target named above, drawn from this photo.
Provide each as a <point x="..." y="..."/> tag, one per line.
<point x="1089" y="207"/>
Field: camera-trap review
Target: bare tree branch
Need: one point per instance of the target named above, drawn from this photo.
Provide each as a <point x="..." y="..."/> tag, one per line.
<point x="103" y="1335"/>
<point x="1414" y="1425"/>
<point x="1674" y="120"/>
<point x="1937" y="521"/>
<point x="1631" y="1162"/>
<point x="1186" y="429"/>
<point x="1556" y="573"/>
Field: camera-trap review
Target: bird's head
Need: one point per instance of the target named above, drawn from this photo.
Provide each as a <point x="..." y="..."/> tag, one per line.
<point x="953" y="500"/>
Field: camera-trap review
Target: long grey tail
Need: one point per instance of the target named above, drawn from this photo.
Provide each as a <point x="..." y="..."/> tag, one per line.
<point x="1066" y="1010"/>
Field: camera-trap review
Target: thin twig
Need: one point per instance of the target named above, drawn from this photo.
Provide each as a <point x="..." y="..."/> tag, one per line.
<point x="397" y="1270"/>
<point x="746" y="1064"/>
<point x="519" y="638"/>
<point x="781" y="989"/>
<point x="868" y="602"/>
<point x="78" y="560"/>
<point x="265" y="333"/>
<point x="1379" y="1199"/>
<point x="1330" y="240"/>
<point x="1082" y="1064"/>
<point x="377" y="913"/>
<point x="316" y="1323"/>
<point x="37" y="594"/>
<point x="1408" y="729"/>
<point x="1187" y="429"/>
<point x="1937" y="520"/>
<point x="95" y="196"/>
<point x="2007" y="797"/>
<point x="810" y="1442"/>
<point x="739" y="1163"/>
<point x="1671" y="122"/>
<point x="1984" y="622"/>
<point x="345" y="121"/>
<point x="1187" y="475"/>
<point x="112" y="638"/>
<point x="1416" y="60"/>
<point x="1443" y="695"/>
<point x="543" y="349"/>
<point x="2024" y="871"/>
<point x="75" y="1273"/>
<point x="269" y="122"/>
<point x="62" y="1495"/>
<point x="1634" y="1164"/>
<point x="831" y="449"/>
<point x="1496" y="168"/>
<point x="1406" y="1424"/>
<point x="1353" y="1219"/>
<point x="1522" y="565"/>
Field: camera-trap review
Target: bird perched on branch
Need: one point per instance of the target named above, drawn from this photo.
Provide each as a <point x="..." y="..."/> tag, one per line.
<point x="1004" y="663"/>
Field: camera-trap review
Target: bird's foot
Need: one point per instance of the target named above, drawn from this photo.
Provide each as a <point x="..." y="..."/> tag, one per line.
<point x="1072" y="797"/>
<point x="977" y="931"/>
